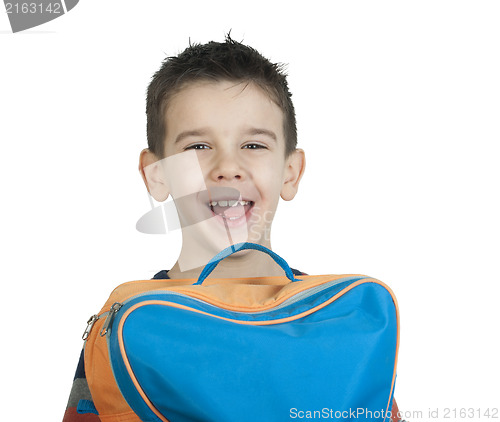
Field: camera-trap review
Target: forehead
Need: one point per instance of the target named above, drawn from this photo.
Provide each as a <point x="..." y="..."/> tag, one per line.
<point x="223" y="107"/>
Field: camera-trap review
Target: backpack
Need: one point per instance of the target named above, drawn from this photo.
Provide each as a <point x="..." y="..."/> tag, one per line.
<point x="245" y="349"/>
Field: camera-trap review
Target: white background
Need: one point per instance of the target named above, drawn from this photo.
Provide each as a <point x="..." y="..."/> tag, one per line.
<point x="398" y="107"/>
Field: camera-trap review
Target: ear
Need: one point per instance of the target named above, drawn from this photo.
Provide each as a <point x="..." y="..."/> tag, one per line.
<point x="153" y="175"/>
<point x="294" y="169"/>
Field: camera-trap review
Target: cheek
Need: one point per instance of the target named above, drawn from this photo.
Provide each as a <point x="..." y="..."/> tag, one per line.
<point x="269" y="178"/>
<point x="187" y="185"/>
<point x="184" y="174"/>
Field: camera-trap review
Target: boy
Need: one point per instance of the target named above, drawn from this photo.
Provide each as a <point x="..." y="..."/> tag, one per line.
<point x="222" y="142"/>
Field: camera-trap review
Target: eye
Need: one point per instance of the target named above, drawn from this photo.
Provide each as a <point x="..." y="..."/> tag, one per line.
<point x="196" y="146"/>
<point x="254" y="146"/>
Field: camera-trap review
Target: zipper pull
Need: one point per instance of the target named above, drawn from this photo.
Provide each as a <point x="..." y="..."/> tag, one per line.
<point x="90" y="324"/>
<point x="109" y="319"/>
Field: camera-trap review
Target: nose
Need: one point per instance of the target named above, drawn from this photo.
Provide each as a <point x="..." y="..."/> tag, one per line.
<point x="226" y="167"/>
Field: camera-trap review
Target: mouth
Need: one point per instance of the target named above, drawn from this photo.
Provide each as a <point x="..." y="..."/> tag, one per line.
<point x="231" y="209"/>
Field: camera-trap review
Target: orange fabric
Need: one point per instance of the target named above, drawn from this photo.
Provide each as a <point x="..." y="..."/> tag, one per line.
<point x="71" y="415"/>
<point x="106" y="395"/>
<point x="236" y="294"/>
<point x="123" y="417"/>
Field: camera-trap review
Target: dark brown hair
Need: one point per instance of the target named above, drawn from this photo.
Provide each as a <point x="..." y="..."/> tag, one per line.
<point x="214" y="61"/>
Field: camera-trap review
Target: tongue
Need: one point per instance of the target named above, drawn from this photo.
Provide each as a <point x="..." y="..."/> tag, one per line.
<point x="230" y="212"/>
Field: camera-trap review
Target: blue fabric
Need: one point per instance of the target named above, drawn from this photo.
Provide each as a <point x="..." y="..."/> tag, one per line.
<point x="197" y="367"/>
<point x="80" y="369"/>
<point x="86" y="406"/>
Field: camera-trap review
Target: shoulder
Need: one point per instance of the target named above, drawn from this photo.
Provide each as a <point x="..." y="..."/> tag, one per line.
<point x="162" y="275"/>
<point x="297" y="272"/>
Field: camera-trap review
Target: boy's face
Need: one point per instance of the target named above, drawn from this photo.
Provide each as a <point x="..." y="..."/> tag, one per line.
<point x="232" y="148"/>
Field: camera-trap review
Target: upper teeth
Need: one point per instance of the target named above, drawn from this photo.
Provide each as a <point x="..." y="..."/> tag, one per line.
<point x="231" y="203"/>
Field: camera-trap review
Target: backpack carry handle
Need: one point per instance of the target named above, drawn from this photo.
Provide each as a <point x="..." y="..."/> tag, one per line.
<point x="239" y="247"/>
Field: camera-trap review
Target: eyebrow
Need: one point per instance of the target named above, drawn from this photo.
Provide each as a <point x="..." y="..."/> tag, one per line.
<point x="259" y="131"/>
<point x="188" y="133"/>
<point x="202" y="132"/>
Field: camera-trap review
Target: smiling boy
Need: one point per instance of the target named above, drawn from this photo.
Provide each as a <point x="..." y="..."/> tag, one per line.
<point x="222" y="143"/>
